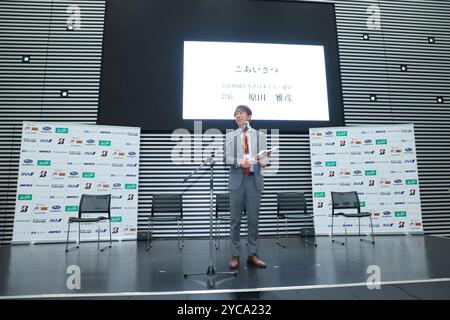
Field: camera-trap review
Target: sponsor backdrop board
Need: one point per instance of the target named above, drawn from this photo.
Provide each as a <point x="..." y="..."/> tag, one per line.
<point x="58" y="163"/>
<point x="380" y="164"/>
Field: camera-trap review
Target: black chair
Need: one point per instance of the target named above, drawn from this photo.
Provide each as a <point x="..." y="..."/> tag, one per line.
<point x="223" y="214"/>
<point x="344" y="201"/>
<point x="92" y="204"/>
<point x="292" y="206"/>
<point x="166" y="207"/>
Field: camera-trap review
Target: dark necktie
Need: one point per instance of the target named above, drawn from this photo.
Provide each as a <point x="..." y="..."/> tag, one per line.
<point x="246" y="151"/>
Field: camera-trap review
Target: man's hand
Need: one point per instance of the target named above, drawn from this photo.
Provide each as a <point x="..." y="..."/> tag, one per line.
<point x="263" y="161"/>
<point x="244" y="163"/>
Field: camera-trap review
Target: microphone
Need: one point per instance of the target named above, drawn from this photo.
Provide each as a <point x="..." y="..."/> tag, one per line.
<point x="246" y="126"/>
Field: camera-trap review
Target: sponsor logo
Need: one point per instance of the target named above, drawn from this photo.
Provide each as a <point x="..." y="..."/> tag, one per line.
<point x="90" y="142"/>
<point x="117" y="164"/>
<point x="25" y="185"/>
<point x="331" y="174"/>
<point x="368" y="142"/>
<point x="342" y="143"/>
<point x="104" y="153"/>
<point x="75" y="153"/>
<point x="370" y="172"/>
<point x="27" y="162"/>
<point x="88" y="185"/>
<point x="116" y="219"/>
<point x="410" y="182"/>
<point x="356" y="153"/>
<point x="330" y="144"/>
<point x="130" y="196"/>
<point x="132" y="165"/>
<point x="59" y="173"/>
<point x="358" y="183"/>
<point x="330" y="164"/>
<point x="29" y="140"/>
<point x="88" y="175"/>
<point x="27" y="174"/>
<point x="61" y="140"/>
<point x="130" y="186"/>
<point x="341" y="133"/>
<point x="131" y="175"/>
<point x="117" y="186"/>
<point x="318" y="174"/>
<point x="369" y="152"/>
<point x="72" y="197"/>
<point x="90" y="153"/>
<point x="399" y="193"/>
<point x="45" y="140"/>
<point x="381" y="141"/>
<point x="387" y="213"/>
<point x="328" y="133"/>
<point x="54" y="231"/>
<point x="89" y="163"/>
<point x="73" y="174"/>
<point x="319" y="194"/>
<point x="357" y="173"/>
<point x="316" y="144"/>
<point x="105" y="143"/>
<point x="318" y="164"/>
<point x="345" y="173"/>
<point x="25" y="197"/>
<point x="398" y="182"/>
<point x="117" y="197"/>
<point x="23" y="208"/>
<point x="44" y="163"/>
<point x="74" y="186"/>
<point x="71" y="209"/>
<point x="388" y="225"/>
<point x="62" y="130"/>
<point x="400" y="214"/>
<point x="57" y="186"/>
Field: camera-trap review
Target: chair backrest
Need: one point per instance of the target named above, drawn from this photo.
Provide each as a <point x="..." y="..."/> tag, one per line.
<point x="95" y="203"/>
<point x="345" y="200"/>
<point x="291" y="202"/>
<point x="222" y="203"/>
<point x="170" y="203"/>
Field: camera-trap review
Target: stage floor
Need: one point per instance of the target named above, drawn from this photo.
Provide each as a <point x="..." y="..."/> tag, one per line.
<point x="412" y="267"/>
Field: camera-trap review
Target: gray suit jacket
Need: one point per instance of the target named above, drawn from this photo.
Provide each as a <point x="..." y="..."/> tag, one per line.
<point x="234" y="152"/>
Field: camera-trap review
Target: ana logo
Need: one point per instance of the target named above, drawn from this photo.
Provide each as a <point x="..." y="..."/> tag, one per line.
<point x="410" y="161"/>
<point x="318" y="174"/>
<point x="132" y="165"/>
<point x="46" y="140"/>
<point x="369" y="152"/>
<point x="399" y="193"/>
<point x="117" y="197"/>
<point x="388" y="225"/>
<point x="329" y="144"/>
<point x="90" y="153"/>
<point x="73" y="185"/>
<point x="27" y="174"/>
<point x="358" y="183"/>
<point x="56" y="220"/>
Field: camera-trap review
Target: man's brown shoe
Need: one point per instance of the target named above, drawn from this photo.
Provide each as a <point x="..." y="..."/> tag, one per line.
<point x="256" y="262"/>
<point x="234" y="263"/>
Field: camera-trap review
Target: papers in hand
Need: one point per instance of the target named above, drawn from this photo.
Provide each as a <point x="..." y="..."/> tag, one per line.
<point x="262" y="154"/>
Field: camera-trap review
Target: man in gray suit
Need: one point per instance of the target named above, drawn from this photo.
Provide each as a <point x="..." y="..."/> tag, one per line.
<point x="245" y="183"/>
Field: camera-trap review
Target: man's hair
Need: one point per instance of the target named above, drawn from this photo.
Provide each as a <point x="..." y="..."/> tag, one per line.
<point x="244" y="109"/>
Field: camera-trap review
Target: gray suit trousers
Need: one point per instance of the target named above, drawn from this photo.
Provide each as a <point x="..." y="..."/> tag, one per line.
<point x="247" y="195"/>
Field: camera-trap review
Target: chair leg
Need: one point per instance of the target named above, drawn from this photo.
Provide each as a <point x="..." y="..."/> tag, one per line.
<point x="306" y="238"/>
<point x="79" y="232"/>
<point x="180" y="244"/>
<point x="68" y="232"/>
<point x="373" y="235"/>
<point x="149" y="237"/>
<point x="332" y="232"/>
<point x="278" y="239"/>
<point x="110" y="238"/>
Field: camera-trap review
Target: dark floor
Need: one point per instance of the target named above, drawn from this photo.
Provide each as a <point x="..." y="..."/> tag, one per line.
<point x="128" y="268"/>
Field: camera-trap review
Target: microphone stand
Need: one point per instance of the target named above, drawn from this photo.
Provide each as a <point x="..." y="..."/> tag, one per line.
<point x="211" y="270"/>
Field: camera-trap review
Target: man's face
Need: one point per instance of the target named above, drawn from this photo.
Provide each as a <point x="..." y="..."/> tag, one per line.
<point x="240" y="116"/>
